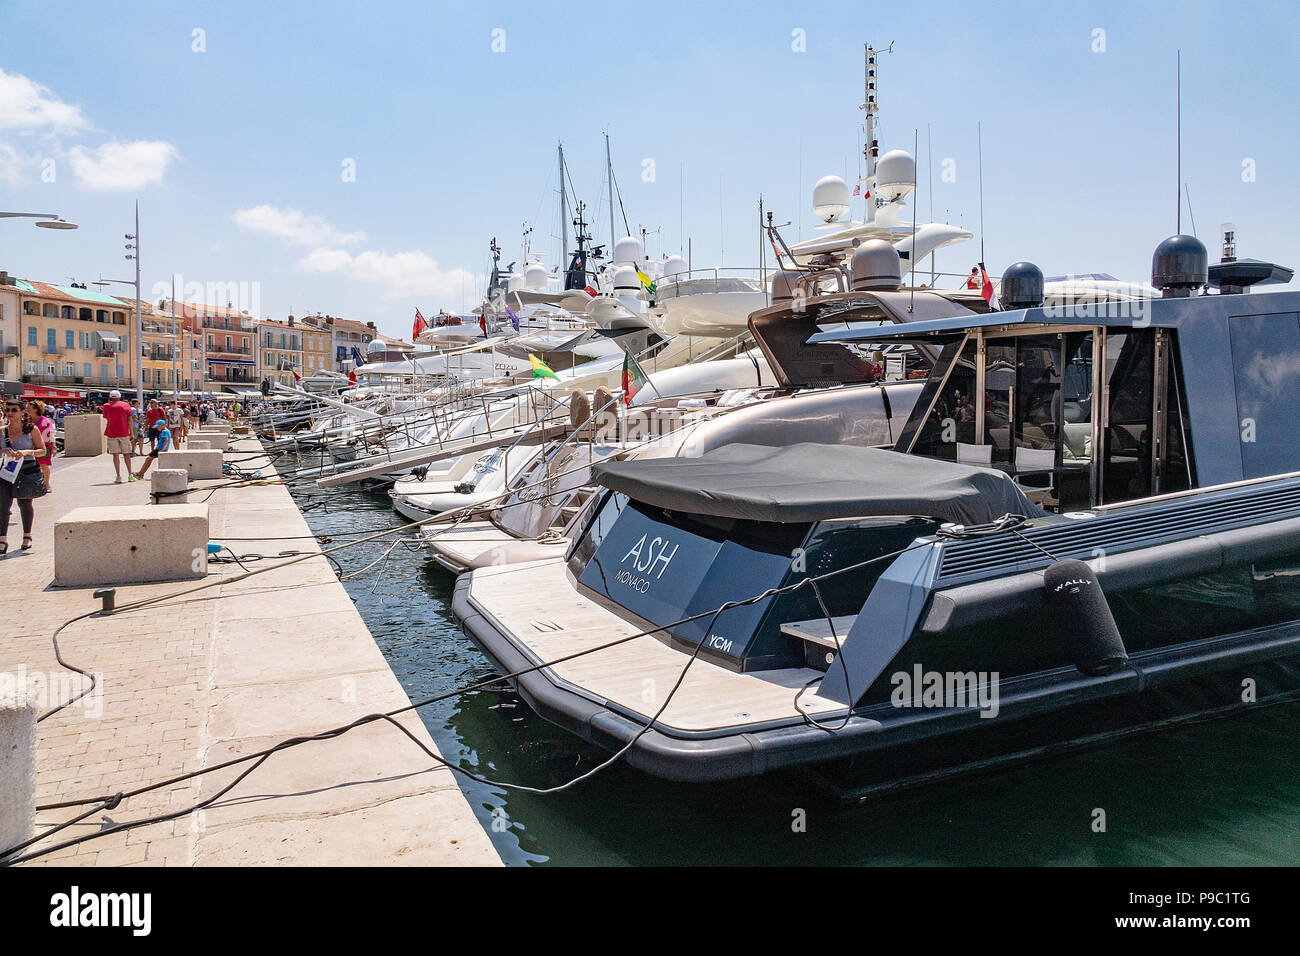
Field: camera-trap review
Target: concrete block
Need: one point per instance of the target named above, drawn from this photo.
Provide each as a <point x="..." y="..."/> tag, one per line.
<point x="17" y="762"/>
<point x="83" y="436"/>
<point x="219" y="440"/>
<point x="203" y="463"/>
<point x="130" y="545"/>
<point x="218" y="425"/>
<point x="197" y="444"/>
<point x="166" y="483"/>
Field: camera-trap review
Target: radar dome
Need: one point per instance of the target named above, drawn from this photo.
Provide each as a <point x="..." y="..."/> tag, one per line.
<point x="783" y="286"/>
<point x="1180" y="265"/>
<point x="376" y="345"/>
<point x="674" y="265"/>
<point x="895" y="175"/>
<point x="876" y="265"/>
<point x="830" y="198"/>
<point x="629" y="249"/>
<point x="1021" y="287"/>
<point x="625" y="281"/>
<point x="535" y="276"/>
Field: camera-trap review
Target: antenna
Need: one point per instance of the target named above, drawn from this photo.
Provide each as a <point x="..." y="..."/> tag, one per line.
<point x="1190" y="214"/>
<point x="1178" y="84"/>
<point x="911" y="253"/>
<point x="979" y="139"/>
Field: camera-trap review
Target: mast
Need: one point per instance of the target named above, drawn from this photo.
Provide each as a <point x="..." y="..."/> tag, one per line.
<point x="870" y="146"/>
<point x="564" y="211"/>
<point x="609" y="173"/>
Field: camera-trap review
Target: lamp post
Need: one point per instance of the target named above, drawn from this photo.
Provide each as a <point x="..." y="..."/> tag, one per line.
<point x="48" y="220"/>
<point x="134" y="253"/>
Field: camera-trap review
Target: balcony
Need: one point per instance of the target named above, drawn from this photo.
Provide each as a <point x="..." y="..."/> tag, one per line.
<point x="54" y="379"/>
<point x="229" y="325"/>
<point x="232" y="378"/>
<point x="232" y="350"/>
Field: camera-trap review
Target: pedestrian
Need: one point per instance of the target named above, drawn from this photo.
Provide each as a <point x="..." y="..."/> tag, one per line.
<point x="161" y="437"/>
<point x="117" y="415"/>
<point x="45" y="425"/>
<point x="153" y="413"/>
<point x="20" y="477"/>
<point x="176" y="422"/>
<point x="137" y="434"/>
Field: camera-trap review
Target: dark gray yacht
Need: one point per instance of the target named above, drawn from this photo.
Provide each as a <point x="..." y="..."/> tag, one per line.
<point x="1087" y="526"/>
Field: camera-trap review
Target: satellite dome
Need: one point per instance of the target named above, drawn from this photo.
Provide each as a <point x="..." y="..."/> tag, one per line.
<point x="1022" y="286"/>
<point x="876" y="265"/>
<point x="629" y="249"/>
<point x="376" y="345"/>
<point x="625" y="281"/>
<point x="535" y="277"/>
<point x="783" y="286"/>
<point x="1180" y="264"/>
<point x="830" y="198"/>
<point x="895" y="175"/>
<point x="674" y="265"/>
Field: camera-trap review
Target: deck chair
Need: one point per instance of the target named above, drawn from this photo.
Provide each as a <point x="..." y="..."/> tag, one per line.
<point x="968" y="454"/>
<point x="1037" y="461"/>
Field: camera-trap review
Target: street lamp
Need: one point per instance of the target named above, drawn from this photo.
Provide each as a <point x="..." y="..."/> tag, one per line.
<point x="48" y="219"/>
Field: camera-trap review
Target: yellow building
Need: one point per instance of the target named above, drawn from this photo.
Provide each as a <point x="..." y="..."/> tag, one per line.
<point x="73" y="338"/>
<point x="279" y="351"/>
<point x="317" y="349"/>
<point x="161" y="350"/>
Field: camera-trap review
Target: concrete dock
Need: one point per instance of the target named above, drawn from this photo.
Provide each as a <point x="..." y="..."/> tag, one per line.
<point x="236" y="668"/>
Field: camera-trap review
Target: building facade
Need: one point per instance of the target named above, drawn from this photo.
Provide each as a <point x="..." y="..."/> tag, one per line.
<point x="163" y="338"/>
<point x="72" y="341"/>
<point x="317" y="349"/>
<point x="345" y="335"/>
<point x="11" y="363"/>
<point x="279" y="351"/>
<point x="229" y="357"/>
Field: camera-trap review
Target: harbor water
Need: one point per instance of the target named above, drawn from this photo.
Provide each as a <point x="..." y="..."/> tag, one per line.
<point x="1224" y="792"/>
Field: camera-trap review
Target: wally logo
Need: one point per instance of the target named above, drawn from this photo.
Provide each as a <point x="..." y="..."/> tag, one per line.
<point x="648" y="555"/>
<point x="74" y="908"/>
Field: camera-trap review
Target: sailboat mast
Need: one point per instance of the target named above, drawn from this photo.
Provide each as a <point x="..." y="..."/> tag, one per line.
<point x="564" y="212"/>
<point x="609" y="174"/>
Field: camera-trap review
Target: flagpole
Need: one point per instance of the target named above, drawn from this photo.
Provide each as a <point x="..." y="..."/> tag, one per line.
<point x="979" y="138"/>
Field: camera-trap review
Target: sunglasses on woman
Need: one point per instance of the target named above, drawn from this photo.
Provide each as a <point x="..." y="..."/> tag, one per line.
<point x="9" y="409"/>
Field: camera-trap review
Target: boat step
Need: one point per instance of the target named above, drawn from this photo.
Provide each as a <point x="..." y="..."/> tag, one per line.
<point x="819" y="645"/>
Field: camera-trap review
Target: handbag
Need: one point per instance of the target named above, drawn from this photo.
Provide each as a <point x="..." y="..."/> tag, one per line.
<point x="30" y="483"/>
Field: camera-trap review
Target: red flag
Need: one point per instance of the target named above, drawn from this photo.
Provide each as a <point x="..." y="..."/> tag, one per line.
<point x="420" y="325"/>
<point x="296" y="376"/>
<point x="352" y="377"/>
<point x="482" y="324"/>
<point x="987" y="290"/>
<point x="590" y="291"/>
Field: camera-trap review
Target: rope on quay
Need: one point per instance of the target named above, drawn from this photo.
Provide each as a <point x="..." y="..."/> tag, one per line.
<point x="260" y="757"/>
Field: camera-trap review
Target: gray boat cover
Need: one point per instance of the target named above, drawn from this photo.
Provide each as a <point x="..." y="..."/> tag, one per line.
<point x="813" y="482"/>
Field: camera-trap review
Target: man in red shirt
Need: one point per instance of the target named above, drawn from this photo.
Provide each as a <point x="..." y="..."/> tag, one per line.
<point x="153" y="413"/>
<point x="117" y="428"/>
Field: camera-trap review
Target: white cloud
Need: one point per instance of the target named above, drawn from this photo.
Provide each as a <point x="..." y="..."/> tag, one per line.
<point x="26" y="105"/>
<point x="402" y="274"/>
<point x="295" y="226"/>
<point x="121" y="165"/>
<point x="12" y="166"/>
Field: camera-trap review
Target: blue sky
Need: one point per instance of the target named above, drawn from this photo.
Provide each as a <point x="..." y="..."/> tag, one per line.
<point x="237" y="153"/>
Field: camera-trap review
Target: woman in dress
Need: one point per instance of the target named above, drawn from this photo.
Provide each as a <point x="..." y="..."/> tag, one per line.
<point x="20" y="440"/>
<point x="45" y="425"/>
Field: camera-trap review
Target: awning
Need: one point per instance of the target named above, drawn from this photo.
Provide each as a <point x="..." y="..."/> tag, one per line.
<point x="109" y="338"/>
<point x="39" y="391"/>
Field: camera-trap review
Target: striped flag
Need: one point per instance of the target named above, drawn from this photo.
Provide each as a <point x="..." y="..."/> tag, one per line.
<point x="986" y="290"/>
<point x="541" y="369"/>
<point x="633" y="378"/>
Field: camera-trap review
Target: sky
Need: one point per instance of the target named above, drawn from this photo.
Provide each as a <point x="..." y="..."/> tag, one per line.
<point x="356" y="159"/>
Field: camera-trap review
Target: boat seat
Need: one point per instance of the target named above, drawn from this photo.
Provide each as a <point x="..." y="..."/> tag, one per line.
<point x="820" y="647"/>
<point x="1037" y="461"/>
<point x="968" y="454"/>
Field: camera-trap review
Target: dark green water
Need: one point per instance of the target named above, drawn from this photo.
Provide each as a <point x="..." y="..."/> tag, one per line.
<point x="1226" y="792"/>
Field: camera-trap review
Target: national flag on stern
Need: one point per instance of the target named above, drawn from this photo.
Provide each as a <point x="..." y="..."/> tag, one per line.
<point x="986" y="290"/>
<point x="296" y="376"/>
<point x="357" y="360"/>
<point x="633" y="378"/>
<point x="419" y="326"/>
<point x="541" y="369"/>
<point x="482" y="324"/>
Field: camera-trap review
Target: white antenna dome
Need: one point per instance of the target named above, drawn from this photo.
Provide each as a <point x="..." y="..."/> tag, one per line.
<point x="629" y="249"/>
<point x="376" y="345"/>
<point x="535" y="277"/>
<point x="674" y="265"/>
<point x="895" y="175"/>
<point x="625" y="281"/>
<point x="830" y="198"/>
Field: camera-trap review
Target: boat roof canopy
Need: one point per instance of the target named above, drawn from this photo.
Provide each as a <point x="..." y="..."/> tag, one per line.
<point x="815" y="482"/>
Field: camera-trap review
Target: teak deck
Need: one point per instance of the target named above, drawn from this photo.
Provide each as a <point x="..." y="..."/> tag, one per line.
<point x="537" y="605"/>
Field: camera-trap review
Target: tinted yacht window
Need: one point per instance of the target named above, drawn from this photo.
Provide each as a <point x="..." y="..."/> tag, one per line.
<point x="1266" y="362"/>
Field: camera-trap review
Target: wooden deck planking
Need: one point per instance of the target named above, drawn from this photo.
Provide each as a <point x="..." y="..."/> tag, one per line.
<point x="638" y="675"/>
